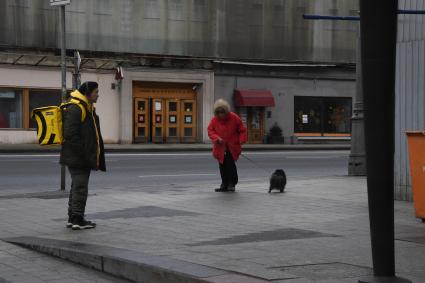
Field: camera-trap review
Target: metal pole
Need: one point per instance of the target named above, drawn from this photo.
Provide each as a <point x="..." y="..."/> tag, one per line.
<point x="76" y="79"/>
<point x="378" y="48"/>
<point x="63" y="67"/>
<point x="357" y="160"/>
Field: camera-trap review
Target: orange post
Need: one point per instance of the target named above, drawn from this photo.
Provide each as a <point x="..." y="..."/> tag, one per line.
<point x="416" y="142"/>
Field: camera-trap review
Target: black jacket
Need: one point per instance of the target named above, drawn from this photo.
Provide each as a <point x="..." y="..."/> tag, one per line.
<point x="83" y="146"/>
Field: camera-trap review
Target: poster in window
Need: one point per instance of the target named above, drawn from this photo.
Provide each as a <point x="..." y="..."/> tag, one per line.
<point x="158" y="118"/>
<point x="305" y="119"/>
<point x="141" y="118"/>
<point x="255" y="122"/>
<point x="243" y="114"/>
<point x="188" y="119"/>
<point x="158" y="105"/>
<point x="173" y="119"/>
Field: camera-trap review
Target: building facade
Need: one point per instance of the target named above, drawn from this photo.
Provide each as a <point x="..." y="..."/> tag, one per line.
<point x="178" y="57"/>
<point x="410" y="90"/>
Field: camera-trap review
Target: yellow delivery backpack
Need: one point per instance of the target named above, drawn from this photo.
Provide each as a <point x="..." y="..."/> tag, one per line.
<point x="49" y="122"/>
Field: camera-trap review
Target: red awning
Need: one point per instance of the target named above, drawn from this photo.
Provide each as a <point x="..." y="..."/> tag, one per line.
<point x="250" y="97"/>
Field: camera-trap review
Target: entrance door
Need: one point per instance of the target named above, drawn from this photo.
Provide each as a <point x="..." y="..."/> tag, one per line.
<point x="164" y="112"/>
<point x="158" y="122"/>
<point x="255" y="124"/>
<point x="172" y="120"/>
<point x="141" y="120"/>
<point x="188" y="120"/>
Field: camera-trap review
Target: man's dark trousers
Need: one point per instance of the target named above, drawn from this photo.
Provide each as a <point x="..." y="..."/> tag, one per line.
<point x="228" y="171"/>
<point x="79" y="192"/>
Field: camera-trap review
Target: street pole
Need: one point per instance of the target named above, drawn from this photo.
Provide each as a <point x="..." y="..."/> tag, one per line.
<point x="357" y="159"/>
<point x="76" y="78"/>
<point x="378" y="54"/>
<point x="63" y="67"/>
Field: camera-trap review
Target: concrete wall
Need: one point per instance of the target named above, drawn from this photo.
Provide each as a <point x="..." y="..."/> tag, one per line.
<point x="284" y="90"/>
<point x="107" y="107"/>
<point x="247" y="29"/>
<point x="410" y="90"/>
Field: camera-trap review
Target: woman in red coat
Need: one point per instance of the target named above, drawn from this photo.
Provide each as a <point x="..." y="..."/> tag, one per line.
<point x="227" y="133"/>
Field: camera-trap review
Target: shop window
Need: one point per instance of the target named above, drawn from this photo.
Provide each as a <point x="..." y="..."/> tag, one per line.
<point x="10" y="109"/>
<point x="41" y="98"/>
<point x="322" y="115"/>
<point x="16" y="106"/>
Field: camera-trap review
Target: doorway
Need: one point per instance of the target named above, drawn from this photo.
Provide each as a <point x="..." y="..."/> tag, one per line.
<point x="164" y="113"/>
<point x="254" y="120"/>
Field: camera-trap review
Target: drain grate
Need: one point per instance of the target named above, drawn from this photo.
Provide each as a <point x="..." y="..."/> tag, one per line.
<point x="142" y="211"/>
<point x="265" y="236"/>
<point x="327" y="271"/>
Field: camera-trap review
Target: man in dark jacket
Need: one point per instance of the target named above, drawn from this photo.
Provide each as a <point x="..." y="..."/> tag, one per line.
<point x="82" y="150"/>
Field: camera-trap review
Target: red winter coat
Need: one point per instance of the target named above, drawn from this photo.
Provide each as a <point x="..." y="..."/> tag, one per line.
<point x="232" y="131"/>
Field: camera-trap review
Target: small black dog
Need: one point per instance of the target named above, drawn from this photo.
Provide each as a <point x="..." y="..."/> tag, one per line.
<point x="278" y="181"/>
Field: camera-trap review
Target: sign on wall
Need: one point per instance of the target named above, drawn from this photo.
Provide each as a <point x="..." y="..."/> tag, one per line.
<point x="59" y="2"/>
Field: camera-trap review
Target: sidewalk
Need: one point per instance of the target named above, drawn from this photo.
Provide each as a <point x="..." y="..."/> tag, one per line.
<point x="24" y="266"/>
<point x="318" y="231"/>
<point x="35" y="148"/>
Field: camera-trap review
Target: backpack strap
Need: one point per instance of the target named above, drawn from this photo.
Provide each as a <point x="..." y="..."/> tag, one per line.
<point x="79" y="104"/>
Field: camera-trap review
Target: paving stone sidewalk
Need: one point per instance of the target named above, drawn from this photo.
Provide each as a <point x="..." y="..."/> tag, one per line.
<point x="24" y="266"/>
<point x="317" y="231"/>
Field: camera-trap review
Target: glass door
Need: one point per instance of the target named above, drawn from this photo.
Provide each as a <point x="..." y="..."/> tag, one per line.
<point x="188" y="120"/>
<point x="255" y="125"/>
<point x="141" y="120"/>
<point x="172" y="121"/>
<point x="158" y="120"/>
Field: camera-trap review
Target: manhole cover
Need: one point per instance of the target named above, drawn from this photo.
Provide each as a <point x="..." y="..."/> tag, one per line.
<point x="265" y="236"/>
<point x="326" y="271"/>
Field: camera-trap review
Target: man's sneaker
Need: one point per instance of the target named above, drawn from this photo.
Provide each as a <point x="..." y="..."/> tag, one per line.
<point x="81" y="224"/>
<point x="91" y="222"/>
<point x="231" y="188"/>
<point x="69" y="224"/>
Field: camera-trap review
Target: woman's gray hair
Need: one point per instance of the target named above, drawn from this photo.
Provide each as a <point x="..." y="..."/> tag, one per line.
<point x="223" y="104"/>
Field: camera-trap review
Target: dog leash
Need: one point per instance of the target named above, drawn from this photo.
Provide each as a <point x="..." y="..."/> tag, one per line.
<point x="255" y="163"/>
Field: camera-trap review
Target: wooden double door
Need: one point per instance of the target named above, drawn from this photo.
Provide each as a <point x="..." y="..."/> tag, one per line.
<point x="254" y="120"/>
<point x="164" y="120"/>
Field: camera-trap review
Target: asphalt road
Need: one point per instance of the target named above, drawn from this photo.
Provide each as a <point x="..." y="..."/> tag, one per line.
<point x="26" y="173"/>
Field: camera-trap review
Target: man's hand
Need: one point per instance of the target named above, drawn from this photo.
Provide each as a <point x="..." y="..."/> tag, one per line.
<point x="220" y="141"/>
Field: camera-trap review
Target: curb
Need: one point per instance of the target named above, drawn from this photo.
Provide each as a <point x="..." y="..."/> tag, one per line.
<point x="131" y="265"/>
<point x="203" y="148"/>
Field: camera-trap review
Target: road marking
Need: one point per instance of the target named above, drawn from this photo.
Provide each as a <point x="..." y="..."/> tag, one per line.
<point x="176" y="175"/>
<point x="315" y="157"/>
